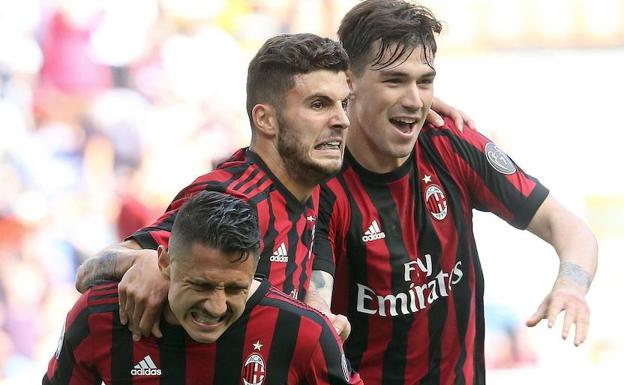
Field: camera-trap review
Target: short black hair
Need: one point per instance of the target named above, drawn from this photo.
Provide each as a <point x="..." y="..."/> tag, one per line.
<point x="219" y="221"/>
<point x="399" y="26"/>
<point x="271" y="72"/>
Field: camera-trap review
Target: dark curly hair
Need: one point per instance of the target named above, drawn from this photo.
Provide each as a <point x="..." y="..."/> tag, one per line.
<point x="219" y="221"/>
<point x="399" y="27"/>
<point x="271" y="72"/>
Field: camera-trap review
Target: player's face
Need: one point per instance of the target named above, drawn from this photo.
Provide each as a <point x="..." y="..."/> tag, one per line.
<point x="312" y="125"/>
<point x="207" y="291"/>
<point x="390" y="106"/>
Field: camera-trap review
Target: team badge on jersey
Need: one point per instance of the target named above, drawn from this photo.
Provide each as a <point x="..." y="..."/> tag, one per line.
<point x="435" y="201"/>
<point x="254" y="369"/>
<point x="499" y="160"/>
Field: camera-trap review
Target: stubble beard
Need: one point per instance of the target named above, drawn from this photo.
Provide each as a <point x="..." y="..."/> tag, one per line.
<point x="303" y="169"/>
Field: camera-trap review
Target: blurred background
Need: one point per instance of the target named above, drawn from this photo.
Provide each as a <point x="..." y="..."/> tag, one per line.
<point x="108" y="108"/>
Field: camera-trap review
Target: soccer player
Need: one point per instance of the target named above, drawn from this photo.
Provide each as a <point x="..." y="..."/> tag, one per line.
<point x="296" y="94"/>
<point x="395" y="225"/>
<point x="296" y="97"/>
<point x="221" y="326"/>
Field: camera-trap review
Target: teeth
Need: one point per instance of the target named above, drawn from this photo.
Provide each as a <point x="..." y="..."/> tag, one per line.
<point x="204" y="318"/>
<point x="405" y="121"/>
<point x="332" y="144"/>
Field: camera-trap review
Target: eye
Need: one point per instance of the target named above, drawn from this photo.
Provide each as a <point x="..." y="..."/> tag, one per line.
<point x="317" y="105"/>
<point x="345" y="104"/>
<point x="235" y="290"/>
<point x="393" y="81"/>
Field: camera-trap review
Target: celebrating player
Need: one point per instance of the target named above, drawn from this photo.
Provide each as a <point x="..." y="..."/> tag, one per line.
<point x="395" y="225"/>
<point x="221" y="326"/>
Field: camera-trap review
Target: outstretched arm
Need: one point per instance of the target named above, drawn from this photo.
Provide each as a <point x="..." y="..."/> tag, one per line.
<point x="577" y="249"/>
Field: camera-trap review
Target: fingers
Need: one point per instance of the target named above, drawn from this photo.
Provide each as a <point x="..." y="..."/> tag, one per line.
<point x="554" y="309"/>
<point x="139" y="308"/>
<point x="343" y="327"/>
<point x="123" y="300"/>
<point x="568" y="320"/>
<point x="582" y="327"/>
<point x="539" y="315"/>
<point x="434" y="118"/>
<point x="341" y="324"/>
<point x="156" y="332"/>
<point x="576" y="312"/>
<point x="150" y="319"/>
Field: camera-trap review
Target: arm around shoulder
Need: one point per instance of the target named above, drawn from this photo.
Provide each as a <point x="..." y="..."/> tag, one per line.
<point x="111" y="263"/>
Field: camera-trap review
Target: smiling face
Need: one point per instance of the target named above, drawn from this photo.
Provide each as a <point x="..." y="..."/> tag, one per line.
<point x="312" y="123"/>
<point x="208" y="290"/>
<point x="388" y="111"/>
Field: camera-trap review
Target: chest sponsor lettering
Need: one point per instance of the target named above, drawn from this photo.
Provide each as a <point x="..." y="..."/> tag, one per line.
<point x="417" y="297"/>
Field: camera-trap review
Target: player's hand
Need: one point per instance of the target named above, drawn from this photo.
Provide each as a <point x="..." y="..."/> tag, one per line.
<point x="568" y="297"/>
<point x="459" y="117"/>
<point x="340" y="322"/>
<point x="142" y="294"/>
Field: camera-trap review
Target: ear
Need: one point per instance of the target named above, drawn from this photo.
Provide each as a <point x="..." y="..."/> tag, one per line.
<point x="164" y="262"/>
<point x="265" y="119"/>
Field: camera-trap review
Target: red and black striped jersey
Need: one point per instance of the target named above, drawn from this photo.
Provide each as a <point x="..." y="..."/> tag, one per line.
<point x="277" y="340"/>
<point x="286" y="224"/>
<point x="407" y="272"/>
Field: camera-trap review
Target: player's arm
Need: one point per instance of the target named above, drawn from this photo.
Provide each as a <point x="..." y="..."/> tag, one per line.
<point x="109" y="264"/>
<point x="577" y="249"/>
<point x="142" y="289"/>
<point x="319" y="296"/>
<point x="439" y="107"/>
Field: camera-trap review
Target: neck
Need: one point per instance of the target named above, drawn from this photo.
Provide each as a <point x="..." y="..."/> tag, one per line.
<point x="297" y="187"/>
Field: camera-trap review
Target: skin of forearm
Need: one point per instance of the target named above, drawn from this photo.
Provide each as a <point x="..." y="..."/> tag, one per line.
<point x="578" y="251"/>
<point x="321" y="284"/>
<point x="110" y="263"/>
<point x="579" y="257"/>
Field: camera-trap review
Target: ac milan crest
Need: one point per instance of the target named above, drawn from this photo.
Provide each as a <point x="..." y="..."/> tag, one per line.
<point x="498" y="159"/>
<point x="435" y="201"/>
<point x="254" y="370"/>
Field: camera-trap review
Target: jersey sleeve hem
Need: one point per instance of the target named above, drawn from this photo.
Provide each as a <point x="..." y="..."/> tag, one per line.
<point x="144" y="239"/>
<point x="534" y="201"/>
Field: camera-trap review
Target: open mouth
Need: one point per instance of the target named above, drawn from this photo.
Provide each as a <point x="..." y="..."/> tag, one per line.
<point x="329" y="145"/>
<point x="405" y="125"/>
<point x="206" y="320"/>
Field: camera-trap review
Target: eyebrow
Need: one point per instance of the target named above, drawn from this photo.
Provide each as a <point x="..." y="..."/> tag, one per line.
<point x="327" y="98"/>
<point x="401" y="74"/>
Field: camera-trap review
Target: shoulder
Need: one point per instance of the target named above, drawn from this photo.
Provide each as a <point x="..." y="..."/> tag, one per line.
<point x="309" y="320"/>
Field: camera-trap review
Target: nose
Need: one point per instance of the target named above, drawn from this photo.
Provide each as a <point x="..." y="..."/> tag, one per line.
<point x="340" y="120"/>
<point x="412" y="100"/>
<point x="216" y="303"/>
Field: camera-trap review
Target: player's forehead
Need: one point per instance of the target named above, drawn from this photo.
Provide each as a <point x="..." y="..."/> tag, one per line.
<point x="399" y="58"/>
<point x="208" y="263"/>
<point x="331" y="84"/>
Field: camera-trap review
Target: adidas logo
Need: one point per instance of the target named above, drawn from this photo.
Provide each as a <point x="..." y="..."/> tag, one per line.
<point x="280" y="255"/>
<point x="146" y="367"/>
<point x="373" y="232"/>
